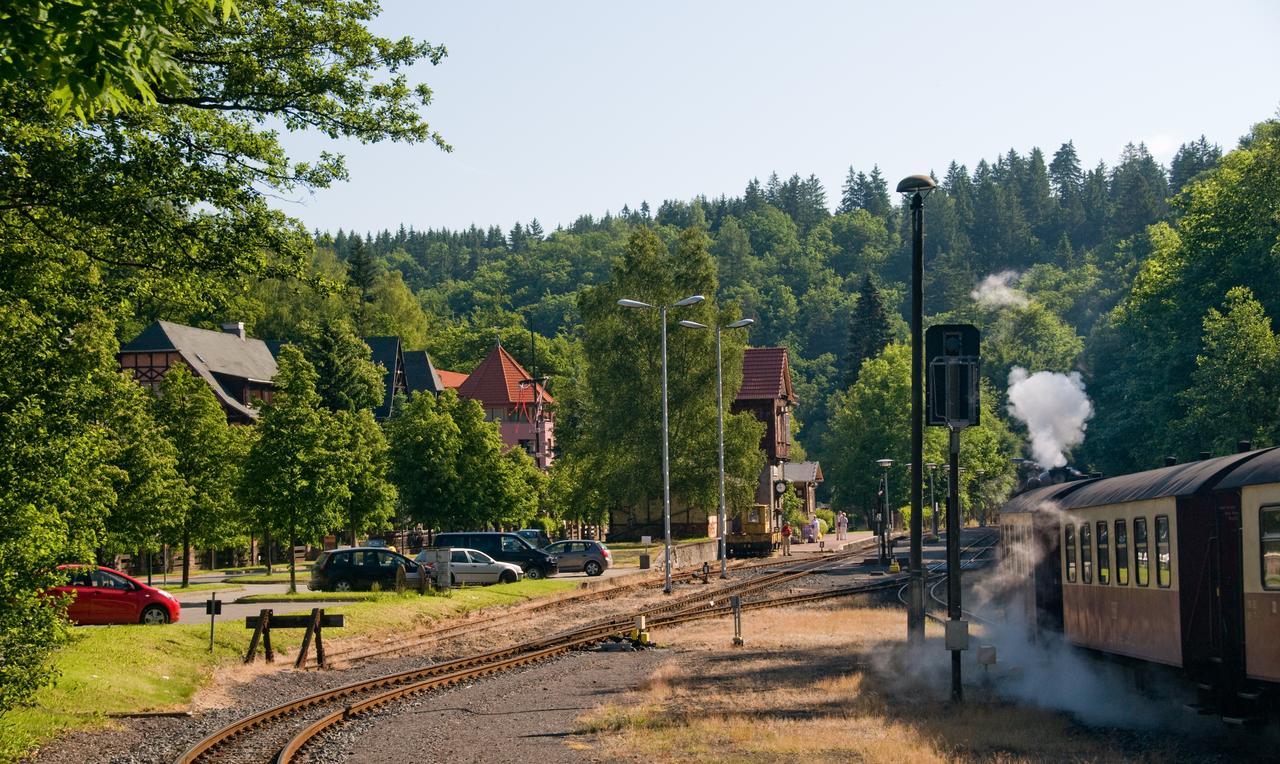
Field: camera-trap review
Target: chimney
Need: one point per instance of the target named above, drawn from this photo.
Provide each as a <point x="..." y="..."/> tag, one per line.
<point x="1169" y="461"/>
<point x="1244" y="445"/>
<point x="234" y="327"/>
<point x="1205" y="455"/>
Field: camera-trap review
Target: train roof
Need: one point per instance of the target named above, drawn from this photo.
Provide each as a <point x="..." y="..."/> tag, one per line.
<point x="1177" y="480"/>
<point x="1262" y="467"/>
<point x="1030" y="501"/>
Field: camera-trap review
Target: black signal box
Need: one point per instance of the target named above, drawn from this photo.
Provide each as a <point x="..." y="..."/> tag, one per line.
<point x="953" y="359"/>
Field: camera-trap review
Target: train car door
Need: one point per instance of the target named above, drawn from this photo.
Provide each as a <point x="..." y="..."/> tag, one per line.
<point x="1227" y="577"/>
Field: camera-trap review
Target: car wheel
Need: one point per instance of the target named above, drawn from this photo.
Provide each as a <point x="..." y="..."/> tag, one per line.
<point x="592" y="568"/>
<point x="342" y="585"/>
<point x="507" y="577"/>
<point x="155" y="615"/>
<point x="534" y="573"/>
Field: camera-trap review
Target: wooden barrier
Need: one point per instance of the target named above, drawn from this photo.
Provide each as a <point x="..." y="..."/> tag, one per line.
<point x="314" y="623"/>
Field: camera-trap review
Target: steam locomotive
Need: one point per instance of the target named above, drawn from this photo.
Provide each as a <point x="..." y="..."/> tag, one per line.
<point x="1177" y="566"/>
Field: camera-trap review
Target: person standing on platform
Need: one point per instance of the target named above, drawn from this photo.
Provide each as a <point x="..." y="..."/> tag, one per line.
<point x="842" y="525"/>
<point x="786" y="539"/>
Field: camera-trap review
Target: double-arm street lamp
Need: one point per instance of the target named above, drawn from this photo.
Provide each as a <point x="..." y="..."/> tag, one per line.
<point x="915" y="187"/>
<point x="724" y="557"/>
<point x="666" y="458"/>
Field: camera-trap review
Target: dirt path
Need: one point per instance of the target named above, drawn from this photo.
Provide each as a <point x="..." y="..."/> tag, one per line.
<point x="515" y="717"/>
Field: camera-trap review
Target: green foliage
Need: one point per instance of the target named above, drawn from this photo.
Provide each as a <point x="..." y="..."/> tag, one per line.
<point x="424" y="443"/>
<point x="296" y="481"/>
<point x="621" y="430"/>
<point x="1224" y="238"/>
<point x="372" y="502"/>
<point x="868" y="329"/>
<point x="872" y="422"/>
<point x="208" y="461"/>
<point x="98" y="55"/>
<point x="347" y="379"/>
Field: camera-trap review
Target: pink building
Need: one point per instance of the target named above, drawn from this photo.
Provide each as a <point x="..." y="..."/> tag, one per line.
<point x="519" y="404"/>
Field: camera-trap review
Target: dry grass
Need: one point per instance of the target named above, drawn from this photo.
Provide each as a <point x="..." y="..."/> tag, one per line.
<point x="824" y="684"/>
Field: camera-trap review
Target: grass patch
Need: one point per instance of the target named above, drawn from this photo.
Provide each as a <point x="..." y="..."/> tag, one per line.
<point x="250" y="599"/>
<point x="121" y="669"/>
<point x="273" y="578"/>
<point x="202" y="588"/>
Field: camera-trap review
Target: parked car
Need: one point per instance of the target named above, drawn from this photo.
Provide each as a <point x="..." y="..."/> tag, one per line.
<point x="590" y="557"/>
<point x="471" y="566"/>
<point x="503" y="547"/>
<point x="535" y="536"/>
<point x="106" y="596"/>
<point x="357" y="568"/>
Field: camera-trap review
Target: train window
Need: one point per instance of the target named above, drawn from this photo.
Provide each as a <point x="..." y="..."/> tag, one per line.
<point x="1122" y="554"/>
<point x="1269" y="528"/>
<point x="1069" y="543"/>
<point x="1104" y="554"/>
<point x="1141" y="551"/>
<point x="1164" y="573"/>
<point x="1086" y="554"/>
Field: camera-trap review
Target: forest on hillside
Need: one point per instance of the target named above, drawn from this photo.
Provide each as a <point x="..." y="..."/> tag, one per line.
<point x="1063" y="267"/>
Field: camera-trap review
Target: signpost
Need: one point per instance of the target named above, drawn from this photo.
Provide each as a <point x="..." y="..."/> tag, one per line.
<point x="954" y="363"/>
<point x="213" y="609"/>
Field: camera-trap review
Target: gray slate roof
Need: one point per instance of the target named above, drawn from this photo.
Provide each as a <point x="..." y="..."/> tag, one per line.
<point x="802" y="472"/>
<point x="211" y="353"/>
<point x="420" y="374"/>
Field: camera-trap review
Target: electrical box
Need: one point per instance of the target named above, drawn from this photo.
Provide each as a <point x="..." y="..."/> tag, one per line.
<point x="953" y="361"/>
<point x="957" y="636"/>
<point x="213" y="607"/>
<point x="440" y="558"/>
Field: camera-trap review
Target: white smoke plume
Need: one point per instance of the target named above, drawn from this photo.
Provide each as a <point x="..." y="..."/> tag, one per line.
<point x="1055" y="409"/>
<point x="997" y="291"/>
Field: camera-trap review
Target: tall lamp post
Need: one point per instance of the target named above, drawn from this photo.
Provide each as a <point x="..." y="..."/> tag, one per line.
<point x="885" y="521"/>
<point x="666" y="458"/>
<point x="915" y="187"/>
<point x="720" y="525"/>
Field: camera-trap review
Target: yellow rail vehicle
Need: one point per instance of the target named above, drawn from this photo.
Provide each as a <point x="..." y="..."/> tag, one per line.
<point x="752" y="533"/>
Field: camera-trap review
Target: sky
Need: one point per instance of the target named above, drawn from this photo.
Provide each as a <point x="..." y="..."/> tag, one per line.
<point x="555" y="109"/>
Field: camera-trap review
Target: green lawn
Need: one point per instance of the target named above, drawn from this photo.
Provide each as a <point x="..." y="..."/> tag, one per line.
<point x="175" y="589"/>
<point x="119" y="669"/>
<point x="306" y="596"/>
<point x="304" y="574"/>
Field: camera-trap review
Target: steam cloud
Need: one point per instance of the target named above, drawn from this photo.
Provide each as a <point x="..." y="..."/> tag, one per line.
<point x="1055" y="409"/>
<point x="997" y="291"/>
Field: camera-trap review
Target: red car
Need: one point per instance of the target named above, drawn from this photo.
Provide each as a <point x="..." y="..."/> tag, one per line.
<point x="106" y="596"/>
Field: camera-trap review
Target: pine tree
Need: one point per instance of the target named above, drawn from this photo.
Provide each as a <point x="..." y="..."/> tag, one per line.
<point x="362" y="270"/>
<point x="850" y="193"/>
<point x="753" y="197"/>
<point x="1192" y="159"/>
<point x="517" y="238"/>
<point x="535" y="230"/>
<point x="347" y="377"/>
<point x="876" y="195"/>
<point x="868" y="330"/>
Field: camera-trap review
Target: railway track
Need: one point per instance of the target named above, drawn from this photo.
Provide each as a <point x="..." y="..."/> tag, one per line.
<point x="937" y="572"/>
<point x="358" y="697"/>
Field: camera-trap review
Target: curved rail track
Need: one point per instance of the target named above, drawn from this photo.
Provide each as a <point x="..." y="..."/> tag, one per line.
<point x="358" y="697"/>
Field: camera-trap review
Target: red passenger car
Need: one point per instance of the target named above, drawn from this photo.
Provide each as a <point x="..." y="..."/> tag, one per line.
<point x="106" y="596"/>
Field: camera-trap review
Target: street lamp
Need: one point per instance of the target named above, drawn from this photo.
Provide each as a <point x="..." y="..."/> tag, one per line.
<point x="915" y="187"/>
<point x="720" y="525"/>
<point x="885" y="518"/>
<point x="666" y="458"/>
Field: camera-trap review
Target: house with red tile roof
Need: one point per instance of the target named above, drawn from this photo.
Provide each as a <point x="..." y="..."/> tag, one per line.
<point x="767" y="393"/>
<point x="517" y="402"/>
<point x="450" y="380"/>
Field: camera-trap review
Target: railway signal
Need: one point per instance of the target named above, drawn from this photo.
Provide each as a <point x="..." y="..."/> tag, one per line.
<point x="954" y="363"/>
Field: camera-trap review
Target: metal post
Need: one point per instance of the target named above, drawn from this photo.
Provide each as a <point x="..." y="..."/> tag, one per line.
<point x="915" y="614"/>
<point x="666" y="463"/>
<point x="724" y="556"/>
<point x="953" y="557"/>
<point x="213" y="615"/>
